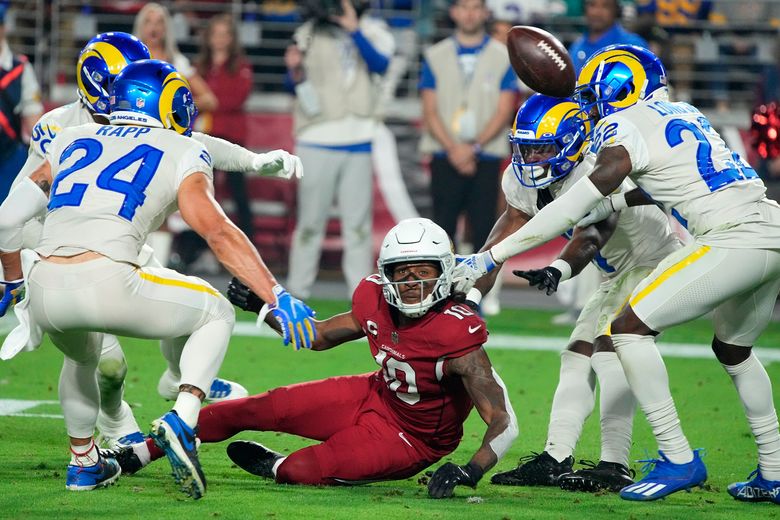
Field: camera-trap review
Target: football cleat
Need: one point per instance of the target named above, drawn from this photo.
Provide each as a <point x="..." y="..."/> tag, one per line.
<point x="537" y="469"/>
<point x="756" y="490"/>
<point x="178" y="441"/>
<point x="666" y="478"/>
<point x="87" y="478"/>
<point x="220" y="390"/>
<point x="253" y="458"/>
<point x="610" y="476"/>
<point x="126" y="457"/>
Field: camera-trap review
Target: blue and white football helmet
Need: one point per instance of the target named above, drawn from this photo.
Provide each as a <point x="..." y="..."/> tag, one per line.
<point x="547" y="138"/>
<point x="617" y="77"/>
<point x="153" y="93"/>
<point x="416" y="240"/>
<point x="100" y="61"/>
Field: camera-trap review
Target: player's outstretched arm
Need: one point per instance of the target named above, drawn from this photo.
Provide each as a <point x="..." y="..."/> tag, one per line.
<point x="331" y="332"/>
<point x="492" y="402"/>
<point x="581" y="249"/>
<point x="234" y="251"/>
<point x="231" y="157"/>
<point x="612" y="166"/>
<point x="614" y="203"/>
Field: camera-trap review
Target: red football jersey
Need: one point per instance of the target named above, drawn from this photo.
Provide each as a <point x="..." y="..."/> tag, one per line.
<point x="426" y="402"/>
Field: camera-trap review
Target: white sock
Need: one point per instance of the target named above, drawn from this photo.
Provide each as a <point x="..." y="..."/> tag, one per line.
<point x="646" y="374"/>
<point x="617" y="406"/>
<point x="755" y="391"/>
<point x="572" y="404"/>
<point x="84" y="455"/>
<point x="276" y="465"/>
<point x="141" y="450"/>
<point x="188" y="407"/>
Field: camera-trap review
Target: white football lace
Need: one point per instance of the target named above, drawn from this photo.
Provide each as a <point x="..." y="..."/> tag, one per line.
<point x="552" y="54"/>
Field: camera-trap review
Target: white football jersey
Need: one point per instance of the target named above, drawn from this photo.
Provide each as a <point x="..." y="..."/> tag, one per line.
<point x="113" y="185"/>
<point x="641" y="239"/>
<point x="680" y="161"/>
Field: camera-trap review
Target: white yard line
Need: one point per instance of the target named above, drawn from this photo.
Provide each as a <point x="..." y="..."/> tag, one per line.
<point x="550" y="344"/>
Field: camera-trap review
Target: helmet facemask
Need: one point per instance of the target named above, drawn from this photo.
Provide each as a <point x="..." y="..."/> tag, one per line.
<point x="413" y="242"/>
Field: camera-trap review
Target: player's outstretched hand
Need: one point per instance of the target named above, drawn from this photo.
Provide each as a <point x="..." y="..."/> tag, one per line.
<point x="546" y="279"/>
<point x="295" y="318"/>
<point x="470" y="269"/>
<point x="278" y="163"/>
<point x="449" y="475"/>
<point x="14" y="292"/>
<point x="242" y="297"/>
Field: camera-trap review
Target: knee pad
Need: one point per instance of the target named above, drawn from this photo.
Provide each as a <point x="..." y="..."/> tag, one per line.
<point x="112" y="367"/>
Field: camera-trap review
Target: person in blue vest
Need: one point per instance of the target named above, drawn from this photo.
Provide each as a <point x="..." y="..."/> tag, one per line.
<point x="20" y="108"/>
<point x="602" y="28"/>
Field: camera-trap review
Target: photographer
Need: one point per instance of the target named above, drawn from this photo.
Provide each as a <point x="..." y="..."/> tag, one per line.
<point x="334" y="68"/>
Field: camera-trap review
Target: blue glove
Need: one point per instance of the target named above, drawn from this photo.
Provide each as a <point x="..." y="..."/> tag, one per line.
<point x="14" y="292"/>
<point x="470" y="269"/>
<point x="295" y="318"/>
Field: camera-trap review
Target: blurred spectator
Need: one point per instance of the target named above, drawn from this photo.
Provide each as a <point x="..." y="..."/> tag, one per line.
<point x="153" y="27"/>
<point x="507" y="13"/>
<point x="334" y="69"/>
<point x="468" y="91"/>
<point x="674" y="17"/>
<point x="20" y="108"/>
<point x="602" y="28"/>
<point x="228" y="74"/>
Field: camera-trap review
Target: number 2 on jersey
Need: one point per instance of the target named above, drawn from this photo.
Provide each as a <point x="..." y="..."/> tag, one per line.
<point x="715" y="179"/>
<point x="133" y="190"/>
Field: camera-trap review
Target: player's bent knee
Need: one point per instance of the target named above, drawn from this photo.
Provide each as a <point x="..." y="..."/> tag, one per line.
<point x="730" y="354"/>
<point x="112" y="371"/>
<point x="301" y="467"/>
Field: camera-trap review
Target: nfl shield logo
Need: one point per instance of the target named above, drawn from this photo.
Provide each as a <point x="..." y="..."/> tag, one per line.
<point x="394" y="337"/>
<point x="140" y="102"/>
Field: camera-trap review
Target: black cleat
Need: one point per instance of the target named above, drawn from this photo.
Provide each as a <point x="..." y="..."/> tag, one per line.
<point x="537" y="469"/>
<point x="125" y="456"/>
<point x="253" y="458"/>
<point x="609" y="476"/>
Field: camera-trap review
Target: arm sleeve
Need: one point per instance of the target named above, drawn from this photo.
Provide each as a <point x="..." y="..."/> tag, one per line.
<point x="552" y="220"/>
<point x="226" y="156"/>
<point x="376" y="61"/>
<point x="25" y="201"/>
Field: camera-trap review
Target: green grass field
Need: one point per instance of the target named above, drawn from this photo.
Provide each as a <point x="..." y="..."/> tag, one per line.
<point x="33" y="450"/>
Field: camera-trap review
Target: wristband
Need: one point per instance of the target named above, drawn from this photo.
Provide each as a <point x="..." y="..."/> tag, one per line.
<point x="562" y="266"/>
<point x="474" y="295"/>
<point x="618" y="201"/>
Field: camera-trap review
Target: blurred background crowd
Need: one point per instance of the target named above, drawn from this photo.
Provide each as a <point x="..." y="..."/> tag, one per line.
<point x="262" y="78"/>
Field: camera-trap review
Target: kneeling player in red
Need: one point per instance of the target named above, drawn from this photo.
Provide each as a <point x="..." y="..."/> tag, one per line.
<point x="393" y="423"/>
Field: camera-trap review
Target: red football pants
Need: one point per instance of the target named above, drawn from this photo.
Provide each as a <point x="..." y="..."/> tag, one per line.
<point x="361" y="441"/>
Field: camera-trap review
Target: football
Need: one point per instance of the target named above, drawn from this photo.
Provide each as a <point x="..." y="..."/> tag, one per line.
<point x="541" y="61"/>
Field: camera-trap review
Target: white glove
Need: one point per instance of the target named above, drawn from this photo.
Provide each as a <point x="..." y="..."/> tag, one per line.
<point x="278" y="163"/>
<point x="604" y="209"/>
<point x="470" y="269"/>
